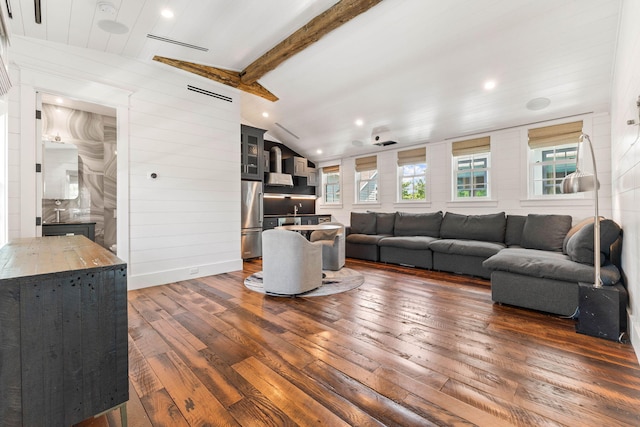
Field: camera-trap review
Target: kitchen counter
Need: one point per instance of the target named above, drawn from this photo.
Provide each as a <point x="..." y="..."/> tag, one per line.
<point x="291" y="215"/>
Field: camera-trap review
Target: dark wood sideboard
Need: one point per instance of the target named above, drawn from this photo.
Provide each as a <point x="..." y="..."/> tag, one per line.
<point x="63" y="331"/>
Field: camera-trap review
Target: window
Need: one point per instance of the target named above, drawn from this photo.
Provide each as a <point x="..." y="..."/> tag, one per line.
<point x="412" y="174"/>
<point x="471" y="166"/>
<point x="331" y="184"/>
<point x="367" y="179"/>
<point x="552" y="154"/>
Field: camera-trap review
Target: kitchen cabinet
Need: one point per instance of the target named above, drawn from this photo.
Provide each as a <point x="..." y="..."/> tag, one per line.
<point x="252" y="152"/>
<point x="64" y="339"/>
<point x="312" y="177"/>
<point x="87" y="229"/>
<point x="296" y="166"/>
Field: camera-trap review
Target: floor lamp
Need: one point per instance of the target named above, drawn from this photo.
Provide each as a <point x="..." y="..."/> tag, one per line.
<point x="579" y="182"/>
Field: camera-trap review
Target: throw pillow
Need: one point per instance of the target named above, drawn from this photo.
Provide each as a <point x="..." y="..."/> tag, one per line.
<point x="574" y="230"/>
<point x="580" y="245"/>
<point x="363" y="223"/>
<point x="515" y="225"/>
<point x="545" y="232"/>
<point x="487" y="228"/>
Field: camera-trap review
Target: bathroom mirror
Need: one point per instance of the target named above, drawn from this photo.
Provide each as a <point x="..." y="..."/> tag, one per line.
<point x="60" y="170"/>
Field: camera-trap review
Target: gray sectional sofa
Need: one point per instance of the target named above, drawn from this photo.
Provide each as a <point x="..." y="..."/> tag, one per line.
<point x="533" y="261"/>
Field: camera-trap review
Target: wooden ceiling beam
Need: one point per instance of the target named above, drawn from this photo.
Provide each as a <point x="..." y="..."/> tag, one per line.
<point x="314" y="30"/>
<point x="227" y="77"/>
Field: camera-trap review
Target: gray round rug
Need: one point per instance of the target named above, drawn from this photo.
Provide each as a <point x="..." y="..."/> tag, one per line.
<point x="334" y="282"/>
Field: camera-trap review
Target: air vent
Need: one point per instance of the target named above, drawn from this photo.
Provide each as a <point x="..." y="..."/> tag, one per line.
<point x="287" y="131"/>
<point x="179" y="43"/>
<point x="208" y="93"/>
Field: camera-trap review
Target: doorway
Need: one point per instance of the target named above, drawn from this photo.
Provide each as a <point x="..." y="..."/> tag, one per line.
<point x="83" y="191"/>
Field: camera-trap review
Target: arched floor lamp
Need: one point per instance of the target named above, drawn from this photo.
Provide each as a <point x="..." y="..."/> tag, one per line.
<point x="580" y="182"/>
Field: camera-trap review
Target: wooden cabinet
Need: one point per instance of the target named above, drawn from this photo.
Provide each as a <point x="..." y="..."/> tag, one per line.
<point x="63" y="334"/>
<point x="296" y="166"/>
<point x="87" y="229"/>
<point x="252" y="152"/>
<point x="312" y="177"/>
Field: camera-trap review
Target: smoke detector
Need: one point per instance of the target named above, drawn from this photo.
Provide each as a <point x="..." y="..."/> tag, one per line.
<point x="107" y="8"/>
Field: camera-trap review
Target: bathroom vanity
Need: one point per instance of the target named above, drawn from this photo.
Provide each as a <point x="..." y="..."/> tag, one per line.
<point x="87" y="229"/>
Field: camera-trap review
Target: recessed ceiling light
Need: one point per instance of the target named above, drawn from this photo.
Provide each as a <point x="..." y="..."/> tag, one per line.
<point x="265" y="114"/>
<point x="538" y="104"/>
<point x="490" y="84"/>
<point x="167" y="13"/>
<point x="359" y="122"/>
<point x="319" y="151"/>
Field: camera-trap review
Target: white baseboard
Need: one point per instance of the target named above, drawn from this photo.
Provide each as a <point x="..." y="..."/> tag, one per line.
<point x="170" y="276"/>
<point x="634" y="334"/>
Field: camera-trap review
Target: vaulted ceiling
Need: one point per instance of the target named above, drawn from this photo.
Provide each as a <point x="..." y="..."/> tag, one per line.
<point x="417" y="67"/>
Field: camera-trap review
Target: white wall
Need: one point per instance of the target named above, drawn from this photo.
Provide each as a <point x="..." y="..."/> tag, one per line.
<point x="625" y="150"/>
<point x="185" y="223"/>
<point x="508" y="176"/>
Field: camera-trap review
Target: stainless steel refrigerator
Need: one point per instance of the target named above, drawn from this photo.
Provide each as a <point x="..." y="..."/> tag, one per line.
<point x="251" y="224"/>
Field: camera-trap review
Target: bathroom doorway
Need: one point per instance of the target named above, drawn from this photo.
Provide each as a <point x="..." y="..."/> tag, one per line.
<point x="83" y="191"/>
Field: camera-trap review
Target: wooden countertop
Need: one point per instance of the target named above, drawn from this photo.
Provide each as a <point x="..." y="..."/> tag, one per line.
<point x="53" y="254"/>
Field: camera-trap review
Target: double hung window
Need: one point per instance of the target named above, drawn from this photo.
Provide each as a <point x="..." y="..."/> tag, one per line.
<point x="412" y="175"/>
<point x="331" y="184"/>
<point x="552" y="156"/>
<point x="367" y="179"/>
<point x="471" y="168"/>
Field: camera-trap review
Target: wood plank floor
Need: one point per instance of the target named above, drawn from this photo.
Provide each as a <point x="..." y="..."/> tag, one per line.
<point x="408" y="348"/>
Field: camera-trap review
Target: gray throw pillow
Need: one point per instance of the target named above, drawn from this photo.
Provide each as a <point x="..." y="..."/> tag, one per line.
<point x="515" y="225"/>
<point x="363" y="223"/>
<point x="574" y="230"/>
<point x="486" y="228"/>
<point x="420" y="224"/>
<point x="545" y="232"/>
<point x="580" y="245"/>
<point x="385" y="222"/>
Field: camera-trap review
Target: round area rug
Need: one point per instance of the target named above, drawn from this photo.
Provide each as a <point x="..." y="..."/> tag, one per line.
<point x="334" y="282"/>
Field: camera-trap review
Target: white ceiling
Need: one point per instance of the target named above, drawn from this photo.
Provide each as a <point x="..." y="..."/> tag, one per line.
<point x="415" y="66"/>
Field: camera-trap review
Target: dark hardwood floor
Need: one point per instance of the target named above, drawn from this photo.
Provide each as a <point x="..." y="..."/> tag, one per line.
<point x="408" y="348"/>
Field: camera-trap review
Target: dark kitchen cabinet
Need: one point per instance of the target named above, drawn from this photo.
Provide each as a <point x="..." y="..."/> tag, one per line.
<point x="64" y="342"/>
<point x="296" y="166"/>
<point x="252" y="151"/>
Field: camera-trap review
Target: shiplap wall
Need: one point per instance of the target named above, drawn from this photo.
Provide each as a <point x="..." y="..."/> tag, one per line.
<point x="188" y="218"/>
<point x="626" y="155"/>
<point x="508" y="177"/>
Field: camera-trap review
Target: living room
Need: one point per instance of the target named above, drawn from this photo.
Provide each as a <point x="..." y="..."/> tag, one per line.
<point x="188" y="218"/>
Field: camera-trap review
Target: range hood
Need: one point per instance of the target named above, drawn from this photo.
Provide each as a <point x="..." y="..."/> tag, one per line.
<point x="277" y="177"/>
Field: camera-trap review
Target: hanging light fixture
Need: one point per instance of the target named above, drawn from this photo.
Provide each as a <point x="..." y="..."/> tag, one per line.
<point x="580" y="182"/>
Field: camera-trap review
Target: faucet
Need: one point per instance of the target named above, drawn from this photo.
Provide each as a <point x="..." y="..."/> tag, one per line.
<point x="58" y="210"/>
<point x="295" y="208"/>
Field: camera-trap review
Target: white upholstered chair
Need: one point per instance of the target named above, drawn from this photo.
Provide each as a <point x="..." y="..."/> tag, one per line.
<point x="333" y="255"/>
<point x="291" y="264"/>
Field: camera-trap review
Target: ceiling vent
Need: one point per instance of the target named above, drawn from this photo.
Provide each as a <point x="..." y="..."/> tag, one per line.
<point x="208" y="93"/>
<point x="179" y="43"/>
<point x="381" y="136"/>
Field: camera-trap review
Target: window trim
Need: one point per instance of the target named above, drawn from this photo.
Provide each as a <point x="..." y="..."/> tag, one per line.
<point x="454" y="177"/>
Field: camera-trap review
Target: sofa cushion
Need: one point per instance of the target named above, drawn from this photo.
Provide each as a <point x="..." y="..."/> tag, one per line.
<point x="407" y="242"/>
<point x="545" y="232"/>
<point x="385" y="222"/>
<point x="466" y="247"/>
<point x="363" y="223"/>
<point x="364" y="239"/>
<point x="487" y="228"/>
<point x="421" y="224"/>
<point x="515" y="225"/>
<point x="580" y="245"/>
<point x="548" y="265"/>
